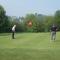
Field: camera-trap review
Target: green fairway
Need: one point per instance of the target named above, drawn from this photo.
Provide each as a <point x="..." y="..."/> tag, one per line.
<point x="29" y="46"/>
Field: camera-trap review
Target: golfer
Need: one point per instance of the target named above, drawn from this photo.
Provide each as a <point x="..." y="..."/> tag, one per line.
<point x="53" y="32"/>
<point x="13" y="31"/>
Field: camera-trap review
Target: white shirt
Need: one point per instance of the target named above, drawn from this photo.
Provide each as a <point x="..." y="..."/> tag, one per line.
<point x="13" y="28"/>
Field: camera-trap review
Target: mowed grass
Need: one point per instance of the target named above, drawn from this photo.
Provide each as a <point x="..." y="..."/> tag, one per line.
<point x="29" y="46"/>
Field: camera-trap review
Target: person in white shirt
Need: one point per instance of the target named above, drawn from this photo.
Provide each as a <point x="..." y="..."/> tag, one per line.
<point x="13" y="31"/>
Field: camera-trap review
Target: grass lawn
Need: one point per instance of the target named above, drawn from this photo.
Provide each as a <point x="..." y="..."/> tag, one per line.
<point x="29" y="46"/>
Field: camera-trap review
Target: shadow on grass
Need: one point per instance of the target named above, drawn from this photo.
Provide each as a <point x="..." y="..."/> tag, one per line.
<point x="57" y="40"/>
<point x="4" y="34"/>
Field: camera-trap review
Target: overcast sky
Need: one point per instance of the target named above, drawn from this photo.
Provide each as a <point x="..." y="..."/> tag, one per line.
<point x="22" y="7"/>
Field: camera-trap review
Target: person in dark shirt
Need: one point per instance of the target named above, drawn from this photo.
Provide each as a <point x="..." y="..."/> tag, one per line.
<point x="53" y="32"/>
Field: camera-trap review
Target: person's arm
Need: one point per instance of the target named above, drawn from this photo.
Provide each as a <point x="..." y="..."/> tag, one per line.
<point x="50" y="29"/>
<point x="56" y="29"/>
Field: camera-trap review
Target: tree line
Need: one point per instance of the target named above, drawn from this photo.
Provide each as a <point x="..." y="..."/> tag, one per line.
<point x="40" y="22"/>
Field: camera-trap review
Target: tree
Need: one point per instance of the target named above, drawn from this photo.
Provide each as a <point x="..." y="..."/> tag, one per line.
<point x="3" y="20"/>
<point x="48" y="22"/>
<point x="57" y="18"/>
<point x="31" y="18"/>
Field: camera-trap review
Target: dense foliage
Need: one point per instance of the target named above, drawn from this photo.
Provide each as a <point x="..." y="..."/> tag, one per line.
<point x="40" y="23"/>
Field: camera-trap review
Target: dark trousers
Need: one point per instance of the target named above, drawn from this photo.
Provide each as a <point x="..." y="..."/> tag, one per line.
<point x="13" y="34"/>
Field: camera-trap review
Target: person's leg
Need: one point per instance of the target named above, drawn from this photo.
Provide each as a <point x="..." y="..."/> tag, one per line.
<point x="52" y="35"/>
<point x="12" y="35"/>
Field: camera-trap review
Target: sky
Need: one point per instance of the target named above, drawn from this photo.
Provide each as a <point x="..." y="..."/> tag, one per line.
<point x="23" y="7"/>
